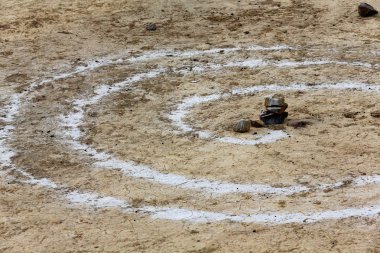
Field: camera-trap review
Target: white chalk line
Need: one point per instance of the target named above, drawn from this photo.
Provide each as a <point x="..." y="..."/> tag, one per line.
<point x="182" y="109"/>
<point x="183" y="214"/>
<point x="260" y="63"/>
<point x="131" y="169"/>
<point x="167" y="213"/>
<point x="93" y="200"/>
<point x="11" y="110"/>
<point x="72" y="135"/>
<point x="159" y="54"/>
<point x="73" y="121"/>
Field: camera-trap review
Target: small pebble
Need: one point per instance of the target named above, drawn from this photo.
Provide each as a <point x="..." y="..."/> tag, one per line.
<point x="151" y="27"/>
<point x="257" y="124"/>
<point x="350" y="115"/>
<point x="243" y="126"/>
<point x="366" y="10"/>
<point x="375" y="114"/>
<point x="299" y="123"/>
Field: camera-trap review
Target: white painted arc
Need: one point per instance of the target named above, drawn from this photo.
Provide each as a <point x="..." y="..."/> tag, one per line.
<point x="94" y="200"/>
<point x="104" y="160"/>
<point x="187" y="104"/>
<point x="183" y="109"/>
<point x="183" y="214"/>
<point x="154" y="55"/>
<point x="131" y="169"/>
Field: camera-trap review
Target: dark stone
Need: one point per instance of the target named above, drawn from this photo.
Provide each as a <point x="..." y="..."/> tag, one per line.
<point x="151" y="27"/>
<point x="17" y="78"/>
<point x="350" y="115"/>
<point x="270" y="118"/>
<point x="375" y="114"/>
<point x="276" y="127"/>
<point x="299" y="123"/>
<point x="366" y="10"/>
<point x="257" y="124"/>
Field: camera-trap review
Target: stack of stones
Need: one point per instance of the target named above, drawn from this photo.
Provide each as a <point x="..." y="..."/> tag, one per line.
<point x="275" y="110"/>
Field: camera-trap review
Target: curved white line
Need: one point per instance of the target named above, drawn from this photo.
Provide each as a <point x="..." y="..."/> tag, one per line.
<point x="131" y="169"/>
<point x="260" y="63"/>
<point x="187" y="104"/>
<point x="154" y="55"/>
<point x="92" y="199"/>
<point x="183" y="214"/>
<point x="184" y="108"/>
<point x="95" y="200"/>
<point x="104" y="160"/>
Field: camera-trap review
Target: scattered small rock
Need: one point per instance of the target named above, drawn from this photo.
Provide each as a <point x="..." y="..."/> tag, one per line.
<point x="366" y="10"/>
<point x="93" y="114"/>
<point x="6" y="53"/>
<point x="151" y="27"/>
<point x="65" y="32"/>
<point x="34" y="24"/>
<point x="195" y="135"/>
<point x="299" y="123"/>
<point x="282" y="203"/>
<point x="257" y="124"/>
<point x="243" y="126"/>
<point x="17" y="78"/>
<point x="276" y="127"/>
<point x="375" y="114"/>
<point x="350" y="115"/>
<point x="39" y="98"/>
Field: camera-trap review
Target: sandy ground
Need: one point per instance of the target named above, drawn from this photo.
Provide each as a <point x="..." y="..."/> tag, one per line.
<point x="41" y="38"/>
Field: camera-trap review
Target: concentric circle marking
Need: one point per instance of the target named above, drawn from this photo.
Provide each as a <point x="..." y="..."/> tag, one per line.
<point x="131" y="169"/>
<point x="73" y="121"/>
<point x="185" y="106"/>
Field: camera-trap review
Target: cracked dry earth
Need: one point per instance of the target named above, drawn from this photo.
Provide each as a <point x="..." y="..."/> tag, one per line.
<point x="118" y="139"/>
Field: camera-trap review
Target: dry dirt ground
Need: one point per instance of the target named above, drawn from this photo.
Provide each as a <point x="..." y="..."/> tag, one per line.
<point x="40" y="39"/>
